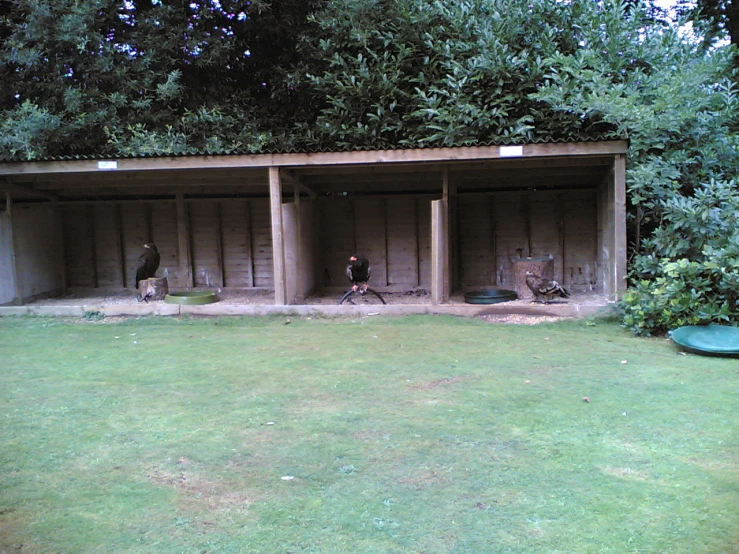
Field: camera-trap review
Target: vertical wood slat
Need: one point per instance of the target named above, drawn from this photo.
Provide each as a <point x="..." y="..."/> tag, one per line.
<point x="402" y="242"/>
<point x="118" y="215"/>
<point x="278" y="247"/>
<point x="493" y="242"/>
<point x="219" y="244"/>
<point x="62" y="268"/>
<point x="423" y="209"/>
<point x="300" y="289"/>
<point x="149" y="226"/>
<point x="370" y="237"/>
<point x="261" y="228"/>
<point x="17" y="300"/>
<point x="250" y="243"/>
<point x="183" y="242"/>
<point x="560" y="261"/>
<point x="106" y="240"/>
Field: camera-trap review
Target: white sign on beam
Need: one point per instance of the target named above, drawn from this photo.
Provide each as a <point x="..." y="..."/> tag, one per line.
<point x="107" y="165"/>
<point x="510" y="151"/>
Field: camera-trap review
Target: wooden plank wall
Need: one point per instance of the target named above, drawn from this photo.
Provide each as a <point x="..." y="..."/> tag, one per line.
<point x="80" y="258"/>
<point x="231" y="242"/>
<point x="238" y="270"/>
<point x="164" y="235"/>
<point x="261" y="230"/>
<point x="204" y="228"/>
<point x="308" y="245"/>
<point x="495" y="229"/>
<point x="394" y="233"/>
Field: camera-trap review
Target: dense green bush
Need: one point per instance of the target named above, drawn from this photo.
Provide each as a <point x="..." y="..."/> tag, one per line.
<point x="689" y="273"/>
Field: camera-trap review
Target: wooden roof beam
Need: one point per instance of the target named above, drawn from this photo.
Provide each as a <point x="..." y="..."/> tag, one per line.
<point x="298" y="181"/>
<point x="24" y="191"/>
<point x="327" y="159"/>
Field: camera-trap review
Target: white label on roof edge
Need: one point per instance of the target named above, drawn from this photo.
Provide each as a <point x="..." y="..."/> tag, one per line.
<point x="107" y="165"/>
<point x="510" y="151"/>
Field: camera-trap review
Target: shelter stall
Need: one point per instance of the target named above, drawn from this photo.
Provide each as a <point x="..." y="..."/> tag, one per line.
<point x="439" y="219"/>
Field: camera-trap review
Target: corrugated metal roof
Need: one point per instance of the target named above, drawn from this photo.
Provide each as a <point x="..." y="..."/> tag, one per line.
<point x="295" y="150"/>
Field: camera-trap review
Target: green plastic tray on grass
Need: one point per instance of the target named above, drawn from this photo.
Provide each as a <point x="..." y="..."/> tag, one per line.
<point x="191" y="298"/>
<point x="710" y="340"/>
<point x="490" y="296"/>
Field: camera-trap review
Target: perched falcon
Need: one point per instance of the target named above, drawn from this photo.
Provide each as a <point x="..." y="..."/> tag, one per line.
<point x="148" y="263"/>
<point x="544" y="289"/>
<point x="359" y="272"/>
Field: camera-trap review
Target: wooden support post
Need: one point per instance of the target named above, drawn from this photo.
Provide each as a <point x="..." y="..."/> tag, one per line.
<point x="438" y="250"/>
<point x="17" y="299"/>
<point x="300" y="285"/>
<point x="619" y="225"/>
<point x="278" y="246"/>
<point x="183" y="241"/>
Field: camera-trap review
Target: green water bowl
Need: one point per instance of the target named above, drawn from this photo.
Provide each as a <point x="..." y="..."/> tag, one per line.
<point x="709" y="340"/>
<point x="191" y="298"/>
<point x="489" y="296"/>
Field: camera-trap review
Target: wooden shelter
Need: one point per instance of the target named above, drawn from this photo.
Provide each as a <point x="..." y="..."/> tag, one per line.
<point x="441" y="219"/>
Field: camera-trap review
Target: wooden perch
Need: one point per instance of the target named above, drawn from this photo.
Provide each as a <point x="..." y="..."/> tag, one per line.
<point x="154" y="288"/>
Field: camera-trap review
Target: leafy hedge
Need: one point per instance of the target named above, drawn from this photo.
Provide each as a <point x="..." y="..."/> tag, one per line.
<point x="690" y="275"/>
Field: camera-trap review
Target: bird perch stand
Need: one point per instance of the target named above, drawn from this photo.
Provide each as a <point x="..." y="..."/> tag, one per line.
<point x="543" y="267"/>
<point x="154" y="288"/>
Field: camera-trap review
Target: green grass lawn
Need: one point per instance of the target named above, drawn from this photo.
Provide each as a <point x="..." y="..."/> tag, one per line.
<point x="400" y="435"/>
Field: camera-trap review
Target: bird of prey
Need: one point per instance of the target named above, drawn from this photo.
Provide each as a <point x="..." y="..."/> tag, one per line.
<point x="359" y="272"/>
<point x="544" y="289"/>
<point x="148" y="263"/>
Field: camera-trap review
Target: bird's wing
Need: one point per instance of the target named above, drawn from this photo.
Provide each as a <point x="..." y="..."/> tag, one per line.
<point x="349" y="272"/>
<point x="547" y="286"/>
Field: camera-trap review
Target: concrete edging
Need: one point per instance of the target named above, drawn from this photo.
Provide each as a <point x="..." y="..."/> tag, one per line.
<point x="217" y="310"/>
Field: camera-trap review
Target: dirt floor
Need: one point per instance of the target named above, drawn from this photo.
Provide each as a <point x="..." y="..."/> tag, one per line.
<point x="266" y="297"/>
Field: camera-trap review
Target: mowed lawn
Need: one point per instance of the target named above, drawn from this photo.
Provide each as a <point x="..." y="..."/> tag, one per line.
<point x="377" y="435"/>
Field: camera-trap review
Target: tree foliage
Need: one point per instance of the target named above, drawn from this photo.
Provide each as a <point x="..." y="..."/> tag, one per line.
<point x="431" y="72"/>
<point x="211" y="71"/>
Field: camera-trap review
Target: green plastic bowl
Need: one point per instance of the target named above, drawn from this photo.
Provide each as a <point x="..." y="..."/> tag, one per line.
<point x="709" y="340"/>
<point x="490" y="296"/>
<point x="191" y="298"/>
